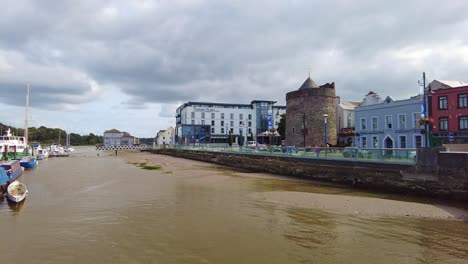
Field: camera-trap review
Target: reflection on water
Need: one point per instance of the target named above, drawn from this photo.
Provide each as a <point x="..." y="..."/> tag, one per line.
<point x="89" y="208"/>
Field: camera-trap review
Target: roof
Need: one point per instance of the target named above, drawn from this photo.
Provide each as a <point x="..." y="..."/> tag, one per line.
<point x="453" y="84"/>
<point x="308" y="83"/>
<point x="349" y="105"/>
<point x="112" y="131"/>
<point x="126" y="134"/>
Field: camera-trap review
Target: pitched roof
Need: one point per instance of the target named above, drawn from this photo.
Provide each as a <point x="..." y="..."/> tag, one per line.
<point x="347" y="105"/>
<point x="453" y="84"/>
<point x="112" y="131"/>
<point x="309" y="83"/>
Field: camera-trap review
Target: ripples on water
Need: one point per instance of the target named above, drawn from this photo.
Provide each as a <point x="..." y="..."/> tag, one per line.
<point x="88" y="209"/>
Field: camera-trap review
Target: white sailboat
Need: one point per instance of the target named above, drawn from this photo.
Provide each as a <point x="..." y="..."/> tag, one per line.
<point x="17" y="192"/>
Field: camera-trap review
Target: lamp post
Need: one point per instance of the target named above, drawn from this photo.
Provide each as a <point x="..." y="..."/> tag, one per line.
<point x="325" y="123"/>
<point x="241" y="139"/>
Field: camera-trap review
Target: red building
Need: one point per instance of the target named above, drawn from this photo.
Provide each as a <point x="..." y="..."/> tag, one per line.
<point x="449" y="111"/>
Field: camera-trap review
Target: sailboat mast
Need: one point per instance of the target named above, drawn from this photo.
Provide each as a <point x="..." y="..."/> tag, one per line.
<point x="26" y="116"/>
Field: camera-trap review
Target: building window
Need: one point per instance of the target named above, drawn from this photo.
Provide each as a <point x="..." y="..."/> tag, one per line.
<point x="443" y="123"/>
<point x="364" y="142"/>
<point x="212" y="122"/>
<point x="402" y="121"/>
<point x="388" y="121"/>
<point x="374" y="123"/>
<point x="463" y="122"/>
<point x="348" y="119"/>
<point x="193" y="115"/>
<point x="363" y="124"/>
<point x="231" y="130"/>
<point x="232" y="123"/>
<point x="418" y="141"/>
<point x="416" y="116"/>
<point x="375" y="142"/>
<point x="222" y="130"/>
<point x="250" y="117"/>
<point x="250" y="131"/>
<point x="203" y="122"/>
<point x="203" y="115"/>
<point x="222" y="115"/>
<point x="232" y="115"/>
<point x="241" y="123"/>
<point x="241" y="116"/>
<point x="212" y="130"/>
<point x="443" y="102"/>
<point x="250" y="123"/>
<point x="402" y="141"/>
<point x="462" y="100"/>
<point x="193" y="122"/>
<point x="222" y="123"/>
<point x="212" y="115"/>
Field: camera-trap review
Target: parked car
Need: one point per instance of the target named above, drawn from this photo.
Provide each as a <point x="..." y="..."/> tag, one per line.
<point x="251" y="144"/>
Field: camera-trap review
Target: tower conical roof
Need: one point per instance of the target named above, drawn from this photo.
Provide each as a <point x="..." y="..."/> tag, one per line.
<point x="309" y="83"/>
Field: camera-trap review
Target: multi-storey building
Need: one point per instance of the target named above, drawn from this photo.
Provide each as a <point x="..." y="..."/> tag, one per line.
<point x="114" y="137"/>
<point x="389" y="123"/>
<point x="166" y="137"/>
<point x="345" y="120"/>
<point x="449" y="111"/>
<point x="203" y="122"/>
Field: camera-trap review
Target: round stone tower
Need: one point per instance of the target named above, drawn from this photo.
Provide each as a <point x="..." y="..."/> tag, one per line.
<point x="305" y="110"/>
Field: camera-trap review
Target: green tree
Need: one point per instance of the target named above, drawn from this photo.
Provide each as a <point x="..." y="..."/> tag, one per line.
<point x="282" y="126"/>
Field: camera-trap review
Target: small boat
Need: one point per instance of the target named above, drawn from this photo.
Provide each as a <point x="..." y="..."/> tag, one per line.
<point x="17" y="191"/>
<point x="4" y="178"/>
<point x="28" y="162"/>
<point x="13" y="168"/>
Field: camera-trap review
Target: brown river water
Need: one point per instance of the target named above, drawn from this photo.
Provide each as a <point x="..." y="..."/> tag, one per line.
<point x="104" y="209"/>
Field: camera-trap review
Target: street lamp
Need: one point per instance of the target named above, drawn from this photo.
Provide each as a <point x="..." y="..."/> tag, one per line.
<point x="325" y="121"/>
<point x="241" y="139"/>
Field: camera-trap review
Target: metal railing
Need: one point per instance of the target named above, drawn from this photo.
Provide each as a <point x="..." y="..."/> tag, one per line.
<point x="392" y="155"/>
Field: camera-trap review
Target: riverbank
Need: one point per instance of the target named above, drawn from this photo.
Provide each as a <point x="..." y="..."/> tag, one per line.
<point x="312" y="195"/>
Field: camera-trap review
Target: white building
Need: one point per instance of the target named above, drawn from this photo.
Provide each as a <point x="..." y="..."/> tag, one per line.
<point x="114" y="137"/>
<point x="166" y="137"/>
<point x="211" y="122"/>
<point x="345" y="119"/>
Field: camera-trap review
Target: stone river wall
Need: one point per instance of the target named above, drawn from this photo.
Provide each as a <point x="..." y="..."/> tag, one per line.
<point x="443" y="175"/>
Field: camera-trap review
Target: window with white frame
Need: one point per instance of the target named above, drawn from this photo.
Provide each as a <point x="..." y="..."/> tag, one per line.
<point x="374" y="122"/>
<point x="388" y="122"/>
<point x="462" y="100"/>
<point x="241" y="116"/>
<point x="443" y="103"/>
<point x="416" y="116"/>
<point x="193" y="114"/>
<point x="203" y="122"/>
<point x="250" y="117"/>
<point x="443" y="123"/>
<point x="463" y="122"/>
<point x="402" y="121"/>
<point x="363" y="124"/>
<point x="222" y="115"/>
<point x="203" y="115"/>
<point x="402" y="141"/>
<point x="212" y="122"/>
<point x="375" y="142"/>
<point x="222" y="123"/>
<point x="417" y="141"/>
<point x="364" y="142"/>
<point x="348" y="119"/>
<point x="212" y="130"/>
<point x="232" y="123"/>
<point x="193" y="122"/>
<point x="212" y="115"/>
<point x="222" y="130"/>
<point x="250" y="123"/>
<point x="232" y="115"/>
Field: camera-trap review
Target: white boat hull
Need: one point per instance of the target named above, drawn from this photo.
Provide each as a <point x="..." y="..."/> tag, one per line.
<point x="17" y="192"/>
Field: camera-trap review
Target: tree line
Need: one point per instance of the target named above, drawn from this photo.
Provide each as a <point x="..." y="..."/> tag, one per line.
<point x="47" y="136"/>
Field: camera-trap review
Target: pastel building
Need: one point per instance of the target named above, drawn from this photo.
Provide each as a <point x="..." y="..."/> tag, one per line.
<point x="388" y="123"/>
<point x="345" y="120"/>
<point x="114" y="137"/>
<point x="166" y="137"/>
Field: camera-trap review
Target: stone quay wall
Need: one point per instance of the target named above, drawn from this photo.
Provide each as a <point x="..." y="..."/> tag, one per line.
<point x="444" y="182"/>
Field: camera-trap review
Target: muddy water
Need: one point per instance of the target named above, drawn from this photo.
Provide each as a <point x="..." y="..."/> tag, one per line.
<point x="90" y="209"/>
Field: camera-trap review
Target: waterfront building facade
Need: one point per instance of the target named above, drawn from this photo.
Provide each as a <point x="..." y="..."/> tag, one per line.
<point x="449" y="111"/>
<point x="345" y="121"/>
<point x="204" y="122"/>
<point x="306" y="110"/>
<point x="389" y="123"/>
<point x="166" y="137"/>
<point x="114" y="137"/>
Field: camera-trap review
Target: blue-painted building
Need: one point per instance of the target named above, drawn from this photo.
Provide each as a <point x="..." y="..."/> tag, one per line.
<point x="388" y="123"/>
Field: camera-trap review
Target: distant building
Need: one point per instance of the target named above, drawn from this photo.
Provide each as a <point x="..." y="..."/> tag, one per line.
<point x="204" y="122"/>
<point x="389" y="123"/>
<point x="114" y="137"/>
<point x="345" y="121"/>
<point x="305" y="110"/>
<point x="166" y="137"/>
<point x="449" y="111"/>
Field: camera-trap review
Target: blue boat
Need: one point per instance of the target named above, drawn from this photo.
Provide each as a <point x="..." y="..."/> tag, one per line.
<point x="28" y="162"/>
<point x="10" y="170"/>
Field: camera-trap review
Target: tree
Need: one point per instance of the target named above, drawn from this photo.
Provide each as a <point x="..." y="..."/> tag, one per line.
<point x="282" y="126"/>
<point x="230" y="139"/>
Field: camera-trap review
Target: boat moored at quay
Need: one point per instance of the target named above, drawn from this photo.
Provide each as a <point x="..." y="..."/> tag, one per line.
<point x="10" y="170"/>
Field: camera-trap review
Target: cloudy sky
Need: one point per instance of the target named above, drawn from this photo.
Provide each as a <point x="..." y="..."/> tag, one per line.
<point x="96" y="65"/>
